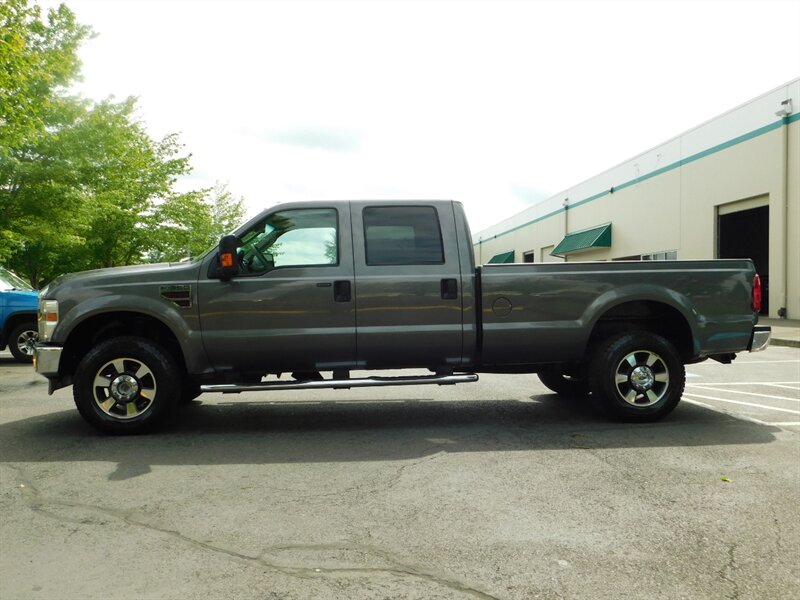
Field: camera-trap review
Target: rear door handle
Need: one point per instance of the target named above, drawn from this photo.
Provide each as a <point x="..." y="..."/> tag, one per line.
<point x="341" y="291"/>
<point x="449" y="289"/>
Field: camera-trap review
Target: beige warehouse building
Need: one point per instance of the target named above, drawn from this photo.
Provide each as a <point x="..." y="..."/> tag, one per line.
<point x="729" y="188"/>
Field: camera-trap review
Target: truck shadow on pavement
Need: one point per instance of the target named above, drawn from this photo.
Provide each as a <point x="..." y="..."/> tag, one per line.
<point x="220" y="433"/>
<point x="6" y="360"/>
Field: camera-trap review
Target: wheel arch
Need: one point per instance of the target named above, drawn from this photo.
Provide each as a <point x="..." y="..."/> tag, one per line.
<point x="103" y="326"/>
<point x="15" y="319"/>
<point x="656" y="315"/>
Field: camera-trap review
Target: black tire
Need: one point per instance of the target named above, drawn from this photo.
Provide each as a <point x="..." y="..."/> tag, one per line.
<point x="637" y="376"/>
<point x="564" y="385"/>
<point x="127" y="385"/>
<point x="21" y="341"/>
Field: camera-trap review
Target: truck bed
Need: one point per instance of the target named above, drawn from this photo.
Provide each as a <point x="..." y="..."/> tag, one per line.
<point x="546" y="313"/>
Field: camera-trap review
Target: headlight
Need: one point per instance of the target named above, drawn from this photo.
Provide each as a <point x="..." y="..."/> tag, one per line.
<point x="48" y="319"/>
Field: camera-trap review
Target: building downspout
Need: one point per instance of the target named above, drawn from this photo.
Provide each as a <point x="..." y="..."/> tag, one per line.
<point x="786" y="110"/>
<point x="566" y="223"/>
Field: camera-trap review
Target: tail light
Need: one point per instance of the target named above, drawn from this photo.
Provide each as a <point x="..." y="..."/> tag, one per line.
<point x="756" y="293"/>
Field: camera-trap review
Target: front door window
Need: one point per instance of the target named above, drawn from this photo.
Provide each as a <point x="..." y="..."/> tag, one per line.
<point x="291" y="238"/>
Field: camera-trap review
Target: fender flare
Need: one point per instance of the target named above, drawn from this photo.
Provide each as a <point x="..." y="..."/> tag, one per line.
<point x="188" y="340"/>
<point x="644" y="293"/>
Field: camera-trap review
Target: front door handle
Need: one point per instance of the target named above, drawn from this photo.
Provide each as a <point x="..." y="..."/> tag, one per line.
<point x="449" y="289"/>
<point x="341" y="291"/>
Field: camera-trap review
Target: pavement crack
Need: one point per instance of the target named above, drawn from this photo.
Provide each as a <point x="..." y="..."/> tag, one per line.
<point x="728" y="569"/>
<point x="398" y="475"/>
<point x="48" y="507"/>
<point x="776" y="525"/>
<point x="393" y="566"/>
<point x="371" y="487"/>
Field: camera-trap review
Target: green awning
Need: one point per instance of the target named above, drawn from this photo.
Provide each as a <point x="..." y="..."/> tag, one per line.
<point x="503" y="257"/>
<point x="596" y="237"/>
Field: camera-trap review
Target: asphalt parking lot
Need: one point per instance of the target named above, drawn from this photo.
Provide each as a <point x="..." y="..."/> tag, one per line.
<point x="497" y="489"/>
<point x="763" y="387"/>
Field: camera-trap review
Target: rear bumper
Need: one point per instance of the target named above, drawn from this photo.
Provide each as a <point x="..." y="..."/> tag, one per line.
<point x="760" y="338"/>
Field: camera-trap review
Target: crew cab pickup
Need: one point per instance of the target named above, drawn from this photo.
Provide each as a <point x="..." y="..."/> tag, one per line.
<point x="306" y="293"/>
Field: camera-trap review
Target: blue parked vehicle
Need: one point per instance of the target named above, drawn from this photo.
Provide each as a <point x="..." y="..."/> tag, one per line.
<point x="18" y="306"/>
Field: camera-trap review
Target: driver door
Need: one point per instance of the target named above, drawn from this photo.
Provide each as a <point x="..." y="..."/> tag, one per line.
<point x="290" y="308"/>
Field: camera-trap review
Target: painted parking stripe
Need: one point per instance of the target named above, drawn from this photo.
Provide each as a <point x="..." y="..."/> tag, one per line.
<point x="765" y="362"/>
<point x="715" y="387"/>
<point x="711" y="388"/>
<point x="786" y="387"/>
<point x="717" y="409"/>
<point x="795" y="383"/>
<point x="787" y="423"/>
<point x="751" y="404"/>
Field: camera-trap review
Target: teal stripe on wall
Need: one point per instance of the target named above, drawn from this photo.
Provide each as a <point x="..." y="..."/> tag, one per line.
<point x="685" y="161"/>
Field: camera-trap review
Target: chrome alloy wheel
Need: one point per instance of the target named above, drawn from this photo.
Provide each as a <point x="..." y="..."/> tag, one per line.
<point x="26" y="340"/>
<point x="642" y="378"/>
<point x="124" y="388"/>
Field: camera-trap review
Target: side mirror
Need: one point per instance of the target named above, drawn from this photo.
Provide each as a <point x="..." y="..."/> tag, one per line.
<point x="228" y="259"/>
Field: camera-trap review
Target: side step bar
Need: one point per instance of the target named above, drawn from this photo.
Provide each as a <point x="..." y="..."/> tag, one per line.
<point x="340" y="383"/>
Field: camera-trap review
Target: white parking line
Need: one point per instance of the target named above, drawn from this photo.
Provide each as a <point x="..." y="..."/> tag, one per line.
<point x="796" y="383"/>
<point x="794" y="412"/>
<point x="765" y="362"/>
<point x="786" y="387"/>
<point x="706" y="386"/>
<point x="725" y="412"/>
<point x="786" y="423"/>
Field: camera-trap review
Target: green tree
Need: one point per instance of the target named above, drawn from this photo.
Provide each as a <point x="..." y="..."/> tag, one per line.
<point x="37" y="59"/>
<point x="82" y="184"/>
<point x="83" y="190"/>
<point x="187" y="225"/>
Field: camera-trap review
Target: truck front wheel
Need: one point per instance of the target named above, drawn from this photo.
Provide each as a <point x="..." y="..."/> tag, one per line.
<point x="127" y="385"/>
<point x="637" y="376"/>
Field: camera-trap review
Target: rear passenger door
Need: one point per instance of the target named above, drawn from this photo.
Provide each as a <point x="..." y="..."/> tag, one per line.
<point x="408" y="285"/>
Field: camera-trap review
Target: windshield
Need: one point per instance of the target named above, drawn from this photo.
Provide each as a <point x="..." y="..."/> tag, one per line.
<point x="9" y="281"/>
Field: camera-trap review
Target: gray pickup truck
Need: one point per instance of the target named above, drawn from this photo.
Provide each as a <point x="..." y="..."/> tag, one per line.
<point x="319" y="289"/>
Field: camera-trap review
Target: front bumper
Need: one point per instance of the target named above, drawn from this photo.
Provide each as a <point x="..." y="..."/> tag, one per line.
<point x="760" y="339"/>
<point x="46" y="360"/>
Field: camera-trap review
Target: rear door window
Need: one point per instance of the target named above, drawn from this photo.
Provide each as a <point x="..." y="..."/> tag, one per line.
<point x="402" y="235"/>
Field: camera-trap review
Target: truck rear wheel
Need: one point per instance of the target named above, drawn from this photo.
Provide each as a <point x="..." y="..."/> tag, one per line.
<point x="127" y="385"/>
<point x="21" y="341"/>
<point x="637" y="376"/>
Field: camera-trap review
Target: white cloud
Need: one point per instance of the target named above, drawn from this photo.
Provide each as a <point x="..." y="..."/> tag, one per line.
<point x="467" y="100"/>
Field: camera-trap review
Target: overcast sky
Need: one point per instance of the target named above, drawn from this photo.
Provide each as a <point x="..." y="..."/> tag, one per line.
<point x="498" y="105"/>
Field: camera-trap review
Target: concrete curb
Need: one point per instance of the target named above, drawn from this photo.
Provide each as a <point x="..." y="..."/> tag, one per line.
<point x="785" y="332"/>
<point x="787" y="343"/>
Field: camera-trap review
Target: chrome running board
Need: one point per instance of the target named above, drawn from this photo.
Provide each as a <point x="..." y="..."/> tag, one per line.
<point x="341" y="384"/>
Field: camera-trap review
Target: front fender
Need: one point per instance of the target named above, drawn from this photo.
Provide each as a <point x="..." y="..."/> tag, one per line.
<point x="184" y="324"/>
